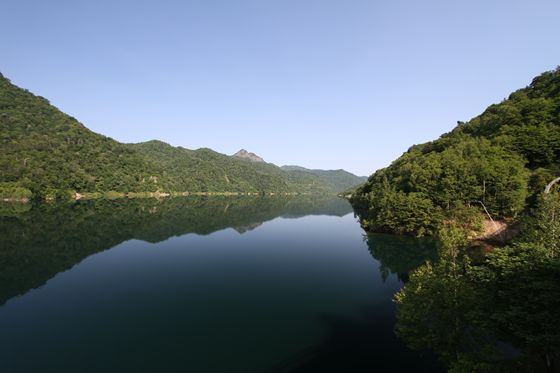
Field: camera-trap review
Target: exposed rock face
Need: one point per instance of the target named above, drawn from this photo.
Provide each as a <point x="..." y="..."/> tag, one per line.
<point x="244" y="154"/>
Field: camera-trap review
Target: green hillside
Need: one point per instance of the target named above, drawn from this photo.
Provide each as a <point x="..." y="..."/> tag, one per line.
<point x="338" y="180"/>
<point x="48" y="154"/>
<point x="501" y="159"/>
<point x="207" y="170"/>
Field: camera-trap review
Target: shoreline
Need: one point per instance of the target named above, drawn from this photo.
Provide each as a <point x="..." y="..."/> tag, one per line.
<point x="86" y="196"/>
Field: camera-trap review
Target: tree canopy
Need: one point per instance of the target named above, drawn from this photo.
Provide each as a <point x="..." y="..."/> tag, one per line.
<point x="501" y="159"/>
<point x="46" y="153"/>
<point x="498" y="315"/>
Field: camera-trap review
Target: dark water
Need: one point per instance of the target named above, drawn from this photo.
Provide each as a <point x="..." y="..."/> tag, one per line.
<point x="242" y="284"/>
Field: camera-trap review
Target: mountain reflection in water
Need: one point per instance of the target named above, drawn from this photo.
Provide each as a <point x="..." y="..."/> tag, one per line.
<point x="201" y="284"/>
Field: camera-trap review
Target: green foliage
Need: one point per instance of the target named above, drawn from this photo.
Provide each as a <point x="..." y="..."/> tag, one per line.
<point x="47" y="151"/>
<point x="499" y="158"/>
<point x="53" y="155"/>
<point x="12" y="191"/>
<point x="467" y="218"/>
<point x="205" y="170"/>
<point x="434" y="311"/>
<point x="398" y="212"/>
<point x="543" y="228"/>
<point x="336" y="180"/>
<point x="527" y="121"/>
<point x="13" y="209"/>
<point x="467" y="313"/>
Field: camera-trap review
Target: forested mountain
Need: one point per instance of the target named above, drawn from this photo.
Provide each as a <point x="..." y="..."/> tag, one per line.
<point x="339" y="180"/>
<point x="49" y="154"/>
<point x="207" y="170"/>
<point x="501" y="159"/>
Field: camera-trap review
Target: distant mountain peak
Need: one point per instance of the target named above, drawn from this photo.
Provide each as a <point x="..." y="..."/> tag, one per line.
<point x="244" y="154"/>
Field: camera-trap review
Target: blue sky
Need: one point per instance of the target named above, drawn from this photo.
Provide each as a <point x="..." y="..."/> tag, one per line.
<point x="319" y="83"/>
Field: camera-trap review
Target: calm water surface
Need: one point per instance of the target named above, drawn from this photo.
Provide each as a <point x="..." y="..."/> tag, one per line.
<point x="244" y="284"/>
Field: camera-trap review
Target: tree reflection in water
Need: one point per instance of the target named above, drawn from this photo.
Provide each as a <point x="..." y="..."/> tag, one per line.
<point x="37" y="242"/>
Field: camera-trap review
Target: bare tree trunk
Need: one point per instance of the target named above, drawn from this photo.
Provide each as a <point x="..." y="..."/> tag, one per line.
<point x="550" y="185"/>
<point x="496" y="226"/>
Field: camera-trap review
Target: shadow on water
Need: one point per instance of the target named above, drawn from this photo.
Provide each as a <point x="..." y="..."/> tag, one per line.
<point x="37" y="242"/>
<point x="400" y="254"/>
<point x="351" y="341"/>
<point x="350" y="345"/>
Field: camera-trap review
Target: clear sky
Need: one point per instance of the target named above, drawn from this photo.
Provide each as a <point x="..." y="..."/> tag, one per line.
<point x="319" y="83"/>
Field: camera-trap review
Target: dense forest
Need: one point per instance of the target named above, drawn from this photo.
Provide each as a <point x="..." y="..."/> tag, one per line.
<point x="500" y="160"/>
<point x="236" y="174"/>
<point x="499" y="312"/>
<point x="336" y="179"/>
<point x="48" y="154"/>
<point x="479" y="307"/>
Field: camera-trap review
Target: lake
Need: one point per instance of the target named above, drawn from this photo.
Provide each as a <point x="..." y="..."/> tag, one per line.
<point x="216" y="284"/>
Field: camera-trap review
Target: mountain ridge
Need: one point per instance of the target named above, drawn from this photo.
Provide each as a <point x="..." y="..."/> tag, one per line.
<point x="341" y="180"/>
<point x="48" y="154"/>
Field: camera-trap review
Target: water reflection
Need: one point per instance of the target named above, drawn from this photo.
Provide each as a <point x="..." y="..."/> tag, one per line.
<point x="481" y="320"/>
<point x="38" y="242"/>
<point x="202" y="285"/>
<point x="400" y="254"/>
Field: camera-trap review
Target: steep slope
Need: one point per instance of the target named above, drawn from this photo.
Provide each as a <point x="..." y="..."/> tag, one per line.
<point x="337" y="180"/>
<point x="49" y="152"/>
<point x="501" y="159"/>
